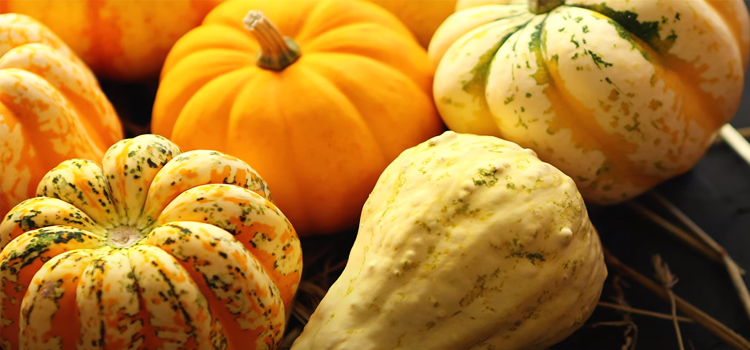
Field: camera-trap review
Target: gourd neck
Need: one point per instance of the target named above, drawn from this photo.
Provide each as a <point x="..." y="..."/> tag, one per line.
<point x="539" y="7"/>
<point x="276" y="51"/>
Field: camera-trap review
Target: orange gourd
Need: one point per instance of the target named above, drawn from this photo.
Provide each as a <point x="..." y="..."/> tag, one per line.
<point x="320" y="114"/>
<point x="118" y="39"/>
<point x="421" y="16"/>
<point x="51" y="108"/>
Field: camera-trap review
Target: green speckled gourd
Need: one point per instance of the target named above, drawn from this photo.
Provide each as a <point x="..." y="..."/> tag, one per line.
<point x="466" y="242"/>
<point x="619" y="94"/>
<point x="152" y="249"/>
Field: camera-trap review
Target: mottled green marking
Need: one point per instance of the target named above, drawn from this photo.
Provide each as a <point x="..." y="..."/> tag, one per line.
<point x="541" y="76"/>
<point x="598" y="61"/>
<point x="487" y="177"/>
<point x="39" y="244"/>
<point x="533" y="257"/>
<point x="648" y="31"/>
<point x="574" y="41"/>
<point x="26" y="222"/>
<point x="521" y="123"/>
<point x="476" y="85"/>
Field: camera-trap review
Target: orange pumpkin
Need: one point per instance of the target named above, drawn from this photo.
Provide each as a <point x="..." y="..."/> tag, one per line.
<point x="320" y="115"/>
<point x="118" y="39"/>
<point x="51" y="108"/>
<point x="421" y="16"/>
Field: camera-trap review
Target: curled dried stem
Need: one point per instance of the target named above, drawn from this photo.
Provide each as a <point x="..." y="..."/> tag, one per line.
<point x="676" y="231"/>
<point x="717" y="328"/>
<point x="668" y="280"/>
<point x="706" y="242"/>
<point x="643" y="312"/>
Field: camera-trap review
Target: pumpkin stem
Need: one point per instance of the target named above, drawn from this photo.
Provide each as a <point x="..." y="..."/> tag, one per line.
<point x="276" y="51"/>
<point x="543" y="6"/>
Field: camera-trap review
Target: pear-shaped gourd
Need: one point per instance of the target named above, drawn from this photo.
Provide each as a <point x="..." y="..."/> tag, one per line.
<point x="466" y="242"/>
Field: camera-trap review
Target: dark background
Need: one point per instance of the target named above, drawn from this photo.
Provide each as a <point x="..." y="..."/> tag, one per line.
<point x="715" y="194"/>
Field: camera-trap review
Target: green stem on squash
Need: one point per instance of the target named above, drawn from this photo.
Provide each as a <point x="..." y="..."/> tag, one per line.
<point x="276" y="51"/>
<point x="543" y="6"/>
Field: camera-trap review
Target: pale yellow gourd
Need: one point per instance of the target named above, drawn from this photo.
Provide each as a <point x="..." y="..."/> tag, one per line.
<point x="466" y="242"/>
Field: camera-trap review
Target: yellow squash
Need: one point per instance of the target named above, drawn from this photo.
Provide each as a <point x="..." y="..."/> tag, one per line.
<point x="467" y="242"/>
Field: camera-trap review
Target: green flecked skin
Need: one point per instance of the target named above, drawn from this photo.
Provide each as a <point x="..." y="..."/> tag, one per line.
<point x="619" y="94"/>
<point x="466" y="242"/>
<point x="151" y="249"/>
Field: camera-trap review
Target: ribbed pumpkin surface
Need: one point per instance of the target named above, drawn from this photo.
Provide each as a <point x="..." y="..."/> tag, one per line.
<point x="51" y="108"/>
<point x="153" y="249"/>
<point x="618" y="94"/>
<point x="323" y="128"/>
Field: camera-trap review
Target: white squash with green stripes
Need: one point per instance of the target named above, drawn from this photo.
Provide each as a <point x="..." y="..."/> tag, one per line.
<point x="618" y="94"/>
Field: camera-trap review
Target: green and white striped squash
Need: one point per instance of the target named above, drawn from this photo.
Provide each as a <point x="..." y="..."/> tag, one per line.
<point x="620" y="95"/>
<point x="154" y="249"/>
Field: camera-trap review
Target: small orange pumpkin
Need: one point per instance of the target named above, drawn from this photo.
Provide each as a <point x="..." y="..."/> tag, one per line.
<point x="118" y="39"/>
<point x="421" y="16"/>
<point x="320" y="114"/>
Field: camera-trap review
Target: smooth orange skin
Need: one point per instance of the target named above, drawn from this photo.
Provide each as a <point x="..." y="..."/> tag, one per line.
<point x="422" y="17"/>
<point x="51" y="108"/>
<point x="322" y="130"/>
<point x="118" y="39"/>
